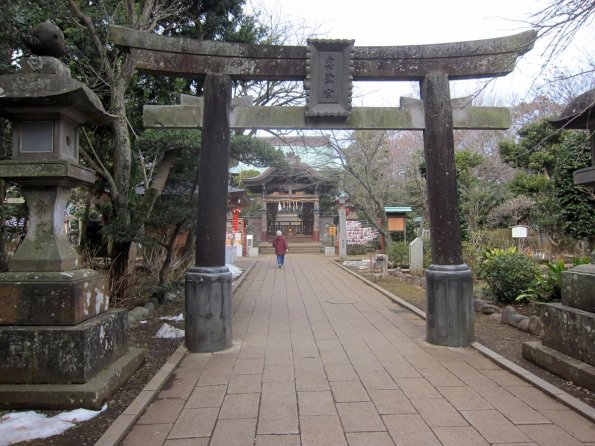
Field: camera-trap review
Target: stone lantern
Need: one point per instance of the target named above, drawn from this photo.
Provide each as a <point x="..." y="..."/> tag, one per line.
<point x="61" y="345"/>
<point x="343" y="199"/>
<point x="46" y="112"/>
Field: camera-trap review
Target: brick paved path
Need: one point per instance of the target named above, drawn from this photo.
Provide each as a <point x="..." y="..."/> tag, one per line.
<point x="320" y="358"/>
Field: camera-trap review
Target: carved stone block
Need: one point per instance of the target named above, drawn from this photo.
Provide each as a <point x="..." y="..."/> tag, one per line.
<point x="329" y="76"/>
<point x="570" y="331"/>
<point x="62" y="355"/>
<point x="52" y="298"/>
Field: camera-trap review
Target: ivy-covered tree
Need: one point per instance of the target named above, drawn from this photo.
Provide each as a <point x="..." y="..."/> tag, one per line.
<point x="576" y="203"/>
<point x="546" y="158"/>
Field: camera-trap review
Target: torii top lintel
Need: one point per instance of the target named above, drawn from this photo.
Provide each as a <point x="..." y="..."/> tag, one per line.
<point x="154" y="53"/>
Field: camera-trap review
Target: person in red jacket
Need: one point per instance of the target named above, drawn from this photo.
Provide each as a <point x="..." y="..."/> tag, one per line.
<point x="281" y="248"/>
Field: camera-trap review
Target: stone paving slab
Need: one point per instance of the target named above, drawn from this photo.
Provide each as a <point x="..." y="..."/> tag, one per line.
<point x="322" y="358"/>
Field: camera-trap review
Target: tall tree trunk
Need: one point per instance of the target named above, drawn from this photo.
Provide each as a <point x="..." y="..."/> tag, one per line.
<point x="3" y="256"/>
<point x="155" y="189"/>
<point x="5" y="145"/>
<point x="169" y="254"/>
<point x="83" y="225"/>
<point x="120" y="247"/>
<point x="190" y="245"/>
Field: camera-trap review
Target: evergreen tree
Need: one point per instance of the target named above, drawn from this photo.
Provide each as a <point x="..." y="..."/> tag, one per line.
<point x="546" y="159"/>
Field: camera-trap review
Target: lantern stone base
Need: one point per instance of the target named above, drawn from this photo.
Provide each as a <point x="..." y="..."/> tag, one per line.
<point x="578" y="284"/>
<point x="567" y="346"/>
<point x="570" y="331"/>
<point x="578" y="372"/>
<point x="62" y="355"/>
<point x="90" y="395"/>
<point x="208" y="309"/>
<point x="449" y="312"/>
<point x="52" y="298"/>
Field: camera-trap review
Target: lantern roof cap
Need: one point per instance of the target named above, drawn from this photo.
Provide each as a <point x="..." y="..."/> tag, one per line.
<point x="46" y="82"/>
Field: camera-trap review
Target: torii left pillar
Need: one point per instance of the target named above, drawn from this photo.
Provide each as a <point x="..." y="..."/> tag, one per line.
<point x="449" y="281"/>
<point x="208" y="283"/>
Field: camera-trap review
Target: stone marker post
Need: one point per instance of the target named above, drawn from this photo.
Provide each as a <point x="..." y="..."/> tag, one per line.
<point x="208" y="283"/>
<point x="343" y="226"/>
<point x="416" y="257"/>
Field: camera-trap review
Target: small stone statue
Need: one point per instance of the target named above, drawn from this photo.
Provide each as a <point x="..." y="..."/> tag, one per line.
<point x="46" y="39"/>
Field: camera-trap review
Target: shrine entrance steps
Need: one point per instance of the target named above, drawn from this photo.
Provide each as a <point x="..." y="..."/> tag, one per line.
<point x="298" y="244"/>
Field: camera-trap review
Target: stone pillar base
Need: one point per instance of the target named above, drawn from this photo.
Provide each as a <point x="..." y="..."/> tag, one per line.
<point x="570" y="331"/>
<point x="578" y="284"/>
<point x="449" y="311"/>
<point x="208" y="309"/>
<point x="62" y="354"/>
<point x="90" y="395"/>
<point x="52" y="298"/>
<point x="571" y="369"/>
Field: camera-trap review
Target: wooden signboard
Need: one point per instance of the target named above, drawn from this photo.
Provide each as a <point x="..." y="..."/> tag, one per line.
<point x="396" y="224"/>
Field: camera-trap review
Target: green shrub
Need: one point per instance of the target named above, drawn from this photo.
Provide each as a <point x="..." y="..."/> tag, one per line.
<point x="548" y="286"/>
<point x="356" y="250"/>
<point x="507" y="274"/>
<point x="493" y="238"/>
<point x="427" y="254"/>
<point x="471" y="255"/>
<point x="490" y="254"/>
<point x="398" y="254"/>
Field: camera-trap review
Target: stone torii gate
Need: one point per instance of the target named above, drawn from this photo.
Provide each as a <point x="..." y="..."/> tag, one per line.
<point x="327" y="68"/>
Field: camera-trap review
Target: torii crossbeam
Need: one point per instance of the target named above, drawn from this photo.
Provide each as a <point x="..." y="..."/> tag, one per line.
<point x="409" y="116"/>
<point x="328" y="68"/>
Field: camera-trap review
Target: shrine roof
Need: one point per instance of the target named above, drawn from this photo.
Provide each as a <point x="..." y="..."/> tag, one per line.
<point x="579" y="113"/>
<point x="46" y="82"/>
<point x="238" y="197"/>
<point x="292" y="172"/>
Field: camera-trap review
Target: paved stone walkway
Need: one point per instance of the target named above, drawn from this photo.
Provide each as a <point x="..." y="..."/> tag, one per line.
<point x="321" y="358"/>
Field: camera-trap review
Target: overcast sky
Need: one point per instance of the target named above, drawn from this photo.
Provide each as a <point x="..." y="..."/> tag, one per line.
<point x="406" y="22"/>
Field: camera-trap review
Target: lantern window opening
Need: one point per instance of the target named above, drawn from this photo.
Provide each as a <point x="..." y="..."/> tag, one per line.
<point x="36" y="136"/>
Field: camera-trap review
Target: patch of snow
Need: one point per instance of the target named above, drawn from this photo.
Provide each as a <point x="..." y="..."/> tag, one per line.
<point x="16" y="427"/>
<point x="178" y="318"/>
<point x="357" y="264"/>
<point x="234" y="270"/>
<point x="168" y="332"/>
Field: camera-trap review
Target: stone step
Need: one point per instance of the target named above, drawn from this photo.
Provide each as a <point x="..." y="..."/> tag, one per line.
<point x="294" y="248"/>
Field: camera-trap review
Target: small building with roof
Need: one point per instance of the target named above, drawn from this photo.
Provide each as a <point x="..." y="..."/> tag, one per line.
<point x="290" y="199"/>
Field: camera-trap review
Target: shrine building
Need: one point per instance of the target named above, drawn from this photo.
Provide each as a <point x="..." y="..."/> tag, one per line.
<point x="290" y="200"/>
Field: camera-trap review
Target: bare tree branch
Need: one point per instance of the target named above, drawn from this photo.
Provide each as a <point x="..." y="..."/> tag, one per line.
<point x="560" y="21"/>
<point x="99" y="47"/>
<point x="95" y="162"/>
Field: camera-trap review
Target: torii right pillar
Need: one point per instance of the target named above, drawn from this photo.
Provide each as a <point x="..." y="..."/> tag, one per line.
<point x="449" y="281"/>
